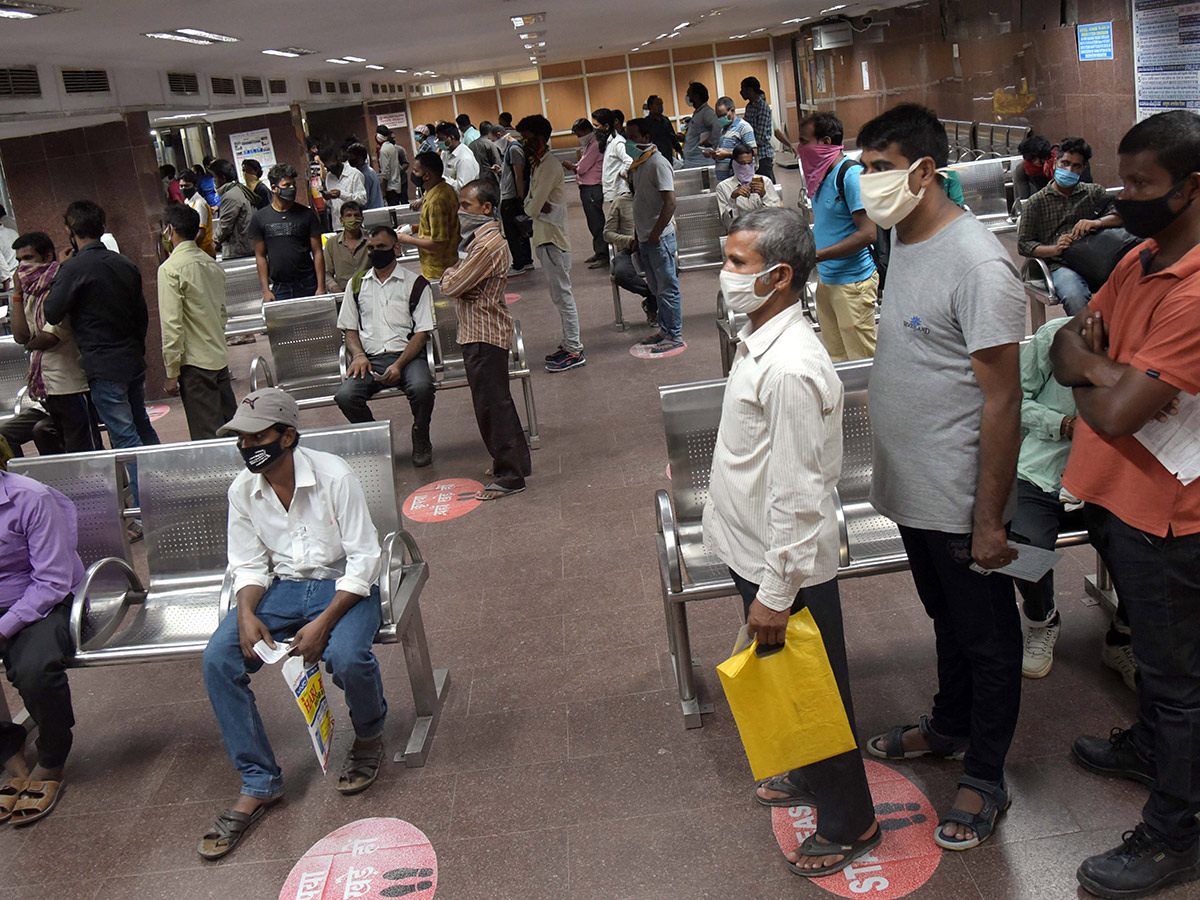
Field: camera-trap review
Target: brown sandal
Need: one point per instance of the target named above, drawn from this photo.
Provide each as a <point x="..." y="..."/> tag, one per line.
<point x="228" y="829"/>
<point x="10" y="792"/>
<point x="360" y="769"/>
<point x="35" y="802"/>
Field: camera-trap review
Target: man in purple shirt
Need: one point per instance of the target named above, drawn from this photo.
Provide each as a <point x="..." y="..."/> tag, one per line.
<point x="39" y="569"/>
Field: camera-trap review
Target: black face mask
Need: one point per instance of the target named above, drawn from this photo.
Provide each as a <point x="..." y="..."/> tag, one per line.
<point x="188" y="193"/>
<point x="417" y="180"/>
<point x="287" y="195"/>
<point x="259" y="459"/>
<point x="1146" y="218"/>
<point x="381" y="259"/>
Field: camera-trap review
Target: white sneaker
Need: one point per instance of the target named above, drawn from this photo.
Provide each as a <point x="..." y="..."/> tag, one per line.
<point x="1119" y="658"/>
<point x="1038" y="656"/>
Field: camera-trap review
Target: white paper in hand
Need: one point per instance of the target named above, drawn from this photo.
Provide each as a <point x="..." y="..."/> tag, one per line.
<point x="1176" y="442"/>
<point x="557" y="215"/>
<point x="269" y="656"/>
<point x="1030" y="565"/>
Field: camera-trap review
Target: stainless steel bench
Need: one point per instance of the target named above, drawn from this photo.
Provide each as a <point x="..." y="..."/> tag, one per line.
<point x="14" y="373"/>
<point x="695" y="180"/>
<point x="688" y="570"/>
<point x="986" y="184"/>
<point x="243" y="297"/>
<point x="698" y="232"/>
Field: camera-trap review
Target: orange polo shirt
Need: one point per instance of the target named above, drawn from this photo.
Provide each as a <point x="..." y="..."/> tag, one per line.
<point x="1153" y="325"/>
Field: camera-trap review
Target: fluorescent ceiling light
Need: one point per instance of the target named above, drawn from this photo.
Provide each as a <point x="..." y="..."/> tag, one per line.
<point x="757" y="30"/>
<point x="376" y="68"/>
<point x="353" y="59"/>
<point x="737" y="37"/>
<point x="208" y="35"/>
<point x="673" y="34"/>
<point x="289" y="52"/>
<point x="661" y="36"/>
<point x="339" y="62"/>
<point x="682" y="25"/>
<point x="532" y="35"/>
<point x="18" y="9"/>
<point x="645" y="43"/>
<point x="281" y="53"/>
<point x="535" y="46"/>
<point x="635" y="49"/>
<point x="401" y="71"/>
<point x="527" y="19"/>
<point x="16" y="14"/>
<point x="833" y="8"/>
<point x="795" y="21"/>
<point x="171" y="36"/>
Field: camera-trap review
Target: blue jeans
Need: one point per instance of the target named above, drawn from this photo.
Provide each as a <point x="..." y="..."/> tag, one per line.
<point x="289" y="290"/>
<point x="121" y="406"/>
<point x="1073" y="292"/>
<point x="662" y="276"/>
<point x="284" y="609"/>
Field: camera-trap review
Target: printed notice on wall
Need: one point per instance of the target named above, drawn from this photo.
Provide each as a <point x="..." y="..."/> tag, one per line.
<point x="1166" y="54"/>
<point x="1095" y="41"/>
<point x="393" y="120"/>
<point x="253" y="145"/>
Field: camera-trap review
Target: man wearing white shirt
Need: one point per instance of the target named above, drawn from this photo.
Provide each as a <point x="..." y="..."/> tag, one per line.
<point x="771" y="515"/>
<point x="462" y="167"/>
<point x="744" y="191"/>
<point x="387" y="315"/>
<point x="342" y="182"/>
<point x="304" y="557"/>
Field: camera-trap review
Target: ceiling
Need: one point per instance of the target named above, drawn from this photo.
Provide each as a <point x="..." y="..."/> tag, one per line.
<point x="447" y="36"/>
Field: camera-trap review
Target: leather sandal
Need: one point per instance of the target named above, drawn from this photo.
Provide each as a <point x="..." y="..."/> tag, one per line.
<point x="360" y="769"/>
<point x="891" y="745"/>
<point x="796" y="795"/>
<point x="996" y="800"/>
<point x="10" y="792"/>
<point x="36" y="801"/>
<point x="814" y="846"/>
<point x="228" y="829"/>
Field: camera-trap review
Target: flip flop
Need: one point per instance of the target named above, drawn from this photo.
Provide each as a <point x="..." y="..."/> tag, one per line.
<point x="815" y="846"/>
<point x="499" y="490"/>
<point x="10" y="793"/>
<point x="360" y="769"/>
<point x="796" y="795"/>
<point x="36" y="801"/>
<point x="227" y="831"/>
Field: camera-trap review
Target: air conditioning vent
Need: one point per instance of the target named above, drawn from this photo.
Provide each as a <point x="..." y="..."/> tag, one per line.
<point x="343" y="87"/>
<point x="85" y="81"/>
<point x="356" y="87"/>
<point x="226" y="87"/>
<point x="20" y="82"/>
<point x="330" y="87"/>
<point x="375" y="88"/>
<point x="252" y="87"/>
<point x="314" y="87"/>
<point x="183" y="83"/>
<point x="279" y="85"/>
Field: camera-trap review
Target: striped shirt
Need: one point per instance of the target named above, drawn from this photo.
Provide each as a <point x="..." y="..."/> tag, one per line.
<point x="778" y="456"/>
<point x="758" y="114"/>
<point x="477" y="282"/>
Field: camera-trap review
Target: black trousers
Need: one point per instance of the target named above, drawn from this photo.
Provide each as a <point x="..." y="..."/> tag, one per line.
<point x="75" y="420"/>
<point x="32" y="425"/>
<point x="977" y="630"/>
<point x="208" y="400"/>
<point x="844" y="806"/>
<point x="766" y="168"/>
<point x="35" y="661"/>
<point x="518" y="244"/>
<point x="496" y="414"/>
<point x="415" y="380"/>
<point x="592" y="197"/>
<point x="1158" y="581"/>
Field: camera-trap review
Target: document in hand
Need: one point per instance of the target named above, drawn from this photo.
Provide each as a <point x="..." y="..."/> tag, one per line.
<point x="786" y="705"/>
<point x="557" y="215"/>
<point x="1176" y="442"/>
<point x="309" y="690"/>
<point x="1030" y="565"/>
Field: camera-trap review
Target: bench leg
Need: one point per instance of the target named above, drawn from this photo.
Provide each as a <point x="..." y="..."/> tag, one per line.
<point x="680" y="643"/>
<point x="429" y="689"/>
<point x="618" y="313"/>
<point x="1037" y="313"/>
<point x="1100" y="587"/>
<point x="530" y="413"/>
<point x="726" y="350"/>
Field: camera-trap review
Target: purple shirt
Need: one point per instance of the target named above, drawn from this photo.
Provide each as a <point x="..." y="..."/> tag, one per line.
<point x="39" y="565"/>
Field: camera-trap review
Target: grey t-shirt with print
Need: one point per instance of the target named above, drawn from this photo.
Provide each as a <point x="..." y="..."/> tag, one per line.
<point x="946" y="298"/>
<point x="653" y="176"/>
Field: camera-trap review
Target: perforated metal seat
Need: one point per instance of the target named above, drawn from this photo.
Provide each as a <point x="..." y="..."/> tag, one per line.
<point x="695" y="180"/>
<point x="14" y="370"/>
<point x="243" y="297"/>
<point x="698" y="232"/>
<point x="306" y="347"/>
<point x="985" y="185"/>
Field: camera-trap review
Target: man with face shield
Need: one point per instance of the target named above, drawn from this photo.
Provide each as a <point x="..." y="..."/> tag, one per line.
<point x="1133" y="355"/>
<point x="771" y="517"/>
<point x="287" y="241"/>
<point x="946" y="396"/>
<point x="304" y="557"/>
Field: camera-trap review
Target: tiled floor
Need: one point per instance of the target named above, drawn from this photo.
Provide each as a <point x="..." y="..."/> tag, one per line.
<point x="561" y="770"/>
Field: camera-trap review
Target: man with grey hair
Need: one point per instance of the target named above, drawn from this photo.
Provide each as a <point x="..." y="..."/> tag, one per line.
<point x="770" y="515"/>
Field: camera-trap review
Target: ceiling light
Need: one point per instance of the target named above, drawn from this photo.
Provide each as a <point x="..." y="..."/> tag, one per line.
<point x="16" y="14"/>
<point x="526" y="20"/>
<point x="376" y="68"/>
<point x="532" y="35"/>
<point x="17" y="9"/>
<point x="281" y="53"/>
<point x="353" y="59"/>
<point x="401" y="71"/>
<point x="645" y="43"/>
<point x="737" y="37"/>
<point x="795" y="21"/>
<point x="661" y="36"/>
<point x="290" y="52"/>
<point x="674" y="34"/>
<point x="208" y="35"/>
<point x="171" y="36"/>
<point x="757" y="30"/>
<point x="339" y="62"/>
<point x="535" y="46"/>
<point x="682" y="25"/>
<point x="635" y="49"/>
<point x="833" y="8"/>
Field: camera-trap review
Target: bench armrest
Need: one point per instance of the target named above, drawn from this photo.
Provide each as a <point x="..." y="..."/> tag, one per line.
<point x="342" y="363"/>
<point x="666" y="527"/>
<point x="398" y="591"/>
<point x="261" y="374"/>
<point x="1035" y="275"/>
<point x="518" y="344"/>
<point x="20" y="396"/>
<point x="228" y="601"/>
<point x="843" y="530"/>
<point x="81" y="603"/>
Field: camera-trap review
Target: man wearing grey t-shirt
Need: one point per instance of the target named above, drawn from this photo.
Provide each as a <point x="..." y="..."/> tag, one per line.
<point x="945" y="405"/>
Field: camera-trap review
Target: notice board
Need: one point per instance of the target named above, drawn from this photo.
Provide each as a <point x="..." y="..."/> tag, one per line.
<point x="1166" y="55"/>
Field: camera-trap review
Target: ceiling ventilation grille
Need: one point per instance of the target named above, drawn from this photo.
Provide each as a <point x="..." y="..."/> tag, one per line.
<point x="226" y="87"/>
<point x="85" y="81"/>
<point x="252" y="87"/>
<point x="277" y="85"/>
<point x="20" y="82"/>
<point x="183" y="82"/>
<point x="314" y="87"/>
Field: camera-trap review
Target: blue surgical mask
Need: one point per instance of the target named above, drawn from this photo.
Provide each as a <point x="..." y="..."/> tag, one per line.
<point x="442" y="146"/>
<point x="724" y="121"/>
<point x="1065" y="177"/>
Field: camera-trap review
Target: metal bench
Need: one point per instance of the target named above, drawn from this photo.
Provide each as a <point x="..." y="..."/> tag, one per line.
<point x="986" y="185"/>
<point x="306" y="348"/>
<point x="695" y="180"/>
<point x="14" y="373"/>
<point x="698" y="233"/>
<point x="688" y="571"/>
<point x="243" y="297"/>
<point x="960" y="135"/>
<point x="995" y="141"/>
<point x="183" y="489"/>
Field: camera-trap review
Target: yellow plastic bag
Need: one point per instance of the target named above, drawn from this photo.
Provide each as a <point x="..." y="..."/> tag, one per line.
<point x="786" y="705"/>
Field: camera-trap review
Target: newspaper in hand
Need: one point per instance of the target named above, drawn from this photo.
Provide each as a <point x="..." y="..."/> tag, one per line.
<point x="307" y="687"/>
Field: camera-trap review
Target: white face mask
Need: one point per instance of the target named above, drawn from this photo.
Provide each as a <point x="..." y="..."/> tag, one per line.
<point x="738" y="289"/>
<point x="886" y="197"/>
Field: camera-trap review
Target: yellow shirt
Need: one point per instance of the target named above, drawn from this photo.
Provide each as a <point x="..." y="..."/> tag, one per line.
<point x="191" y="308"/>
<point x="205" y="241"/>
<point x="439" y="222"/>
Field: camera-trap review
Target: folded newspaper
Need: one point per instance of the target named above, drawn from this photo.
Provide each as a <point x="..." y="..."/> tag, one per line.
<point x="309" y="690"/>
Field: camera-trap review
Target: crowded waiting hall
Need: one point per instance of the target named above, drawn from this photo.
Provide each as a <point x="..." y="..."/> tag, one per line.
<point x="821" y="514"/>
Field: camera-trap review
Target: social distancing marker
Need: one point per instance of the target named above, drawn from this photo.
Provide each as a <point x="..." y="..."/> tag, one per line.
<point x="154" y="413"/>
<point x="642" y="351"/>
<point x="442" y="500"/>
<point x="511" y="298"/>
<point x="902" y="863"/>
<point x="367" y="859"/>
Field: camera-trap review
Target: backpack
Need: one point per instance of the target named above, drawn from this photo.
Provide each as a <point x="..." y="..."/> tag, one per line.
<point x="414" y="297"/>
<point x="881" y="248"/>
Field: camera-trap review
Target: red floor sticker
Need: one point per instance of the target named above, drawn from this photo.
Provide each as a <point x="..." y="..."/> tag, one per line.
<point x="897" y="867"/>
<point x="367" y="859"/>
<point x="441" y="500"/>
<point x="511" y="298"/>
<point x="643" y="352"/>
<point x="157" y="412"/>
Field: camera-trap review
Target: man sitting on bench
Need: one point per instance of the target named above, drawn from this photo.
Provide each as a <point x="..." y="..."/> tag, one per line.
<point x="387" y="313"/>
<point x="305" y="558"/>
<point x="38" y="571"/>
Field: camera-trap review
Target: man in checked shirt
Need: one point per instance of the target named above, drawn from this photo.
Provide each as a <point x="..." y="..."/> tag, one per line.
<point x="477" y="282"/>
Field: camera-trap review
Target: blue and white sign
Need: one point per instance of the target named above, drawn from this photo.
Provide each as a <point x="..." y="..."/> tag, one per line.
<point x="1095" y="41"/>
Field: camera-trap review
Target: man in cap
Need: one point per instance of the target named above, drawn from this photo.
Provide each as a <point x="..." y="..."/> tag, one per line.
<point x="393" y="167"/>
<point x="304" y="558"/>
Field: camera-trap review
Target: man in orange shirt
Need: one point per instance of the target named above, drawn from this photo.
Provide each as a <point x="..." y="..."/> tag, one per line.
<point x="1132" y="356"/>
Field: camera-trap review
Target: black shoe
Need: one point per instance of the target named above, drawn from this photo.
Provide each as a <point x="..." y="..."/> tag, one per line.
<point x="1114" y="757"/>
<point x="1142" y="865"/>
<point x="422" y="448"/>
<point x="591" y="259"/>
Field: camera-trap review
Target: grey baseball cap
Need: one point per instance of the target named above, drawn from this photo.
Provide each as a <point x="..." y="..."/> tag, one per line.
<point x="260" y="410"/>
